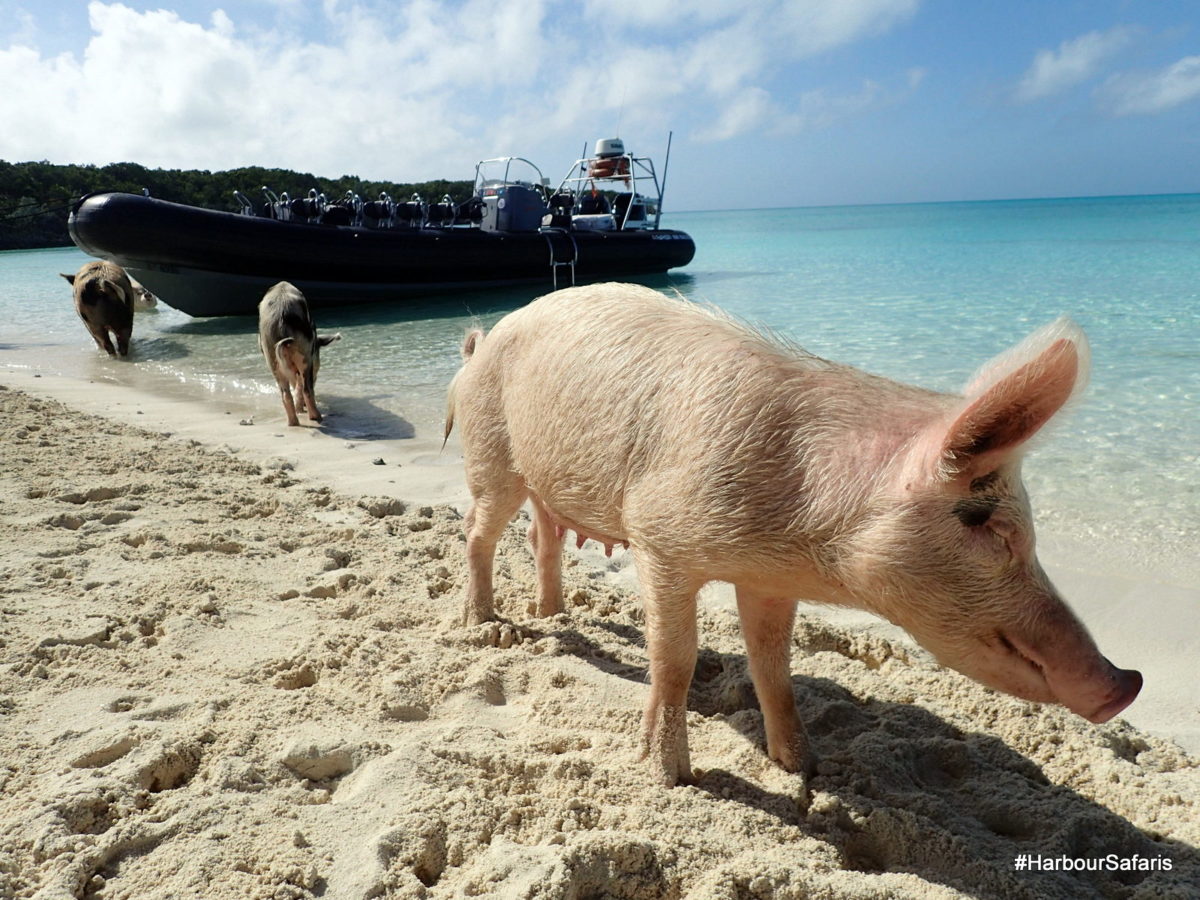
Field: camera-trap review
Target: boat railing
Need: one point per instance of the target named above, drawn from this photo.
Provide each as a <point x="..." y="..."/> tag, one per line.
<point x="623" y="186"/>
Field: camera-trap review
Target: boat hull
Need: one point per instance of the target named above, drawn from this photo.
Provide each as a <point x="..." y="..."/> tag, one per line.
<point x="210" y="263"/>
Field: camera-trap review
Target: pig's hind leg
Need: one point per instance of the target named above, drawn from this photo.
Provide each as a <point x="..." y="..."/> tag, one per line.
<point x="767" y="629"/>
<point x="546" y="538"/>
<point x="485" y="521"/>
<point x="671" y="643"/>
<point x="289" y="405"/>
<point x="296" y="379"/>
<point x="100" y="335"/>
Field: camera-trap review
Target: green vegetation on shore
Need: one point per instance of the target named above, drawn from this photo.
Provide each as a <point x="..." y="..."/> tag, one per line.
<point x="35" y="197"/>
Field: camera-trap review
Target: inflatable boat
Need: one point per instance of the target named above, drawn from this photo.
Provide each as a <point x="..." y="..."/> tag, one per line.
<point x="600" y="223"/>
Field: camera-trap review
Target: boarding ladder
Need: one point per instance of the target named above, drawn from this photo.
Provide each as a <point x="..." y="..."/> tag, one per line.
<point x="563" y="252"/>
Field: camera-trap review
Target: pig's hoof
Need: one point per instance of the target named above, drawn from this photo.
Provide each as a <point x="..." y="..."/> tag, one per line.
<point x="803" y="764"/>
<point x="472" y="618"/>
<point x="793" y="753"/>
<point x="498" y="634"/>
<point x="546" y="610"/>
<point x="669" y="776"/>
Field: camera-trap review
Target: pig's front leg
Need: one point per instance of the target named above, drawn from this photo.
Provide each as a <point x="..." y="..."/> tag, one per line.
<point x="671" y="643"/>
<point x="767" y="629"/>
<point x="547" y="541"/>
<point x="310" y="405"/>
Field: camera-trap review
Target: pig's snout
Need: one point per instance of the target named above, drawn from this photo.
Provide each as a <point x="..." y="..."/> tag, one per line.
<point x="1080" y="678"/>
<point x="1128" y="684"/>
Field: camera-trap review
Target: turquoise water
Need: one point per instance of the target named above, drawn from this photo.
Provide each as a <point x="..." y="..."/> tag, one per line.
<point x="924" y="293"/>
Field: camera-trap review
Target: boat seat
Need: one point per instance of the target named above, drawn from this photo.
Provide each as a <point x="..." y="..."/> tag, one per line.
<point x="410" y="214"/>
<point x="593" y="204"/>
<point x="474" y="212"/>
<point x="305" y="208"/>
<point x="441" y="214"/>
<point x="626" y="216"/>
<point x="561" y="204"/>
<point x="337" y="215"/>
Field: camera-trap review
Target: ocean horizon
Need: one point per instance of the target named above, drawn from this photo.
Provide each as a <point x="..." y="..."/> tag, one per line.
<point x="982" y="200"/>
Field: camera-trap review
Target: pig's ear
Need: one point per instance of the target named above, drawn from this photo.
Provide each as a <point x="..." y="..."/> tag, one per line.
<point x="1012" y="397"/>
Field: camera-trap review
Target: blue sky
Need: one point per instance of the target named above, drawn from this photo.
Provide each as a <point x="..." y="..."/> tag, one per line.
<point x="772" y="103"/>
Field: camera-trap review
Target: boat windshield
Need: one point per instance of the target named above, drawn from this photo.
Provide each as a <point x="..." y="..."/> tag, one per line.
<point x="504" y="171"/>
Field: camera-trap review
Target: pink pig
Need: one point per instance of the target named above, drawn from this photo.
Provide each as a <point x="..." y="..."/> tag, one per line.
<point x="717" y="454"/>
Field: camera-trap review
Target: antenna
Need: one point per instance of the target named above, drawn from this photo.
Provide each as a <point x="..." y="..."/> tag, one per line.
<point x="662" y="188"/>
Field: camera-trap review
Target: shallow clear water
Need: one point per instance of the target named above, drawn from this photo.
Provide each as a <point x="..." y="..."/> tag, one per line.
<point x="923" y="293"/>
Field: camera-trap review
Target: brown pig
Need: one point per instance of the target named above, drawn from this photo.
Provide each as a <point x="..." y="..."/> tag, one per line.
<point x="289" y="341"/>
<point x="104" y="299"/>
<point x="718" y="454"/>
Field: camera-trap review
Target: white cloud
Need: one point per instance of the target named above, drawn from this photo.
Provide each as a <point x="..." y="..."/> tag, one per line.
<point x="1153" y="92"/>
<point x="657" y="13"/>
<point x="420" y="88"/>
<point x="813" y="26"/>
<point x="1074" y="62"/>
<point x="752" y="110"/>
<point x="812" y="110"/>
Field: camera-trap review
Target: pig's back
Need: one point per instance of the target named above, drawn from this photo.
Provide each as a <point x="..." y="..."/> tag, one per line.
<point x="609" y="393"/>
<point x="283" y="312"/>
<point x="626" y="362"/>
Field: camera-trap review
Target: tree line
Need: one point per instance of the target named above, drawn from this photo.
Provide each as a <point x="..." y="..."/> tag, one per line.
<point x="36" y="197"/>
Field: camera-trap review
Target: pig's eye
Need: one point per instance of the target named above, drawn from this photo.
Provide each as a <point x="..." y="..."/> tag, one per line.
<point x="974" y="513"/>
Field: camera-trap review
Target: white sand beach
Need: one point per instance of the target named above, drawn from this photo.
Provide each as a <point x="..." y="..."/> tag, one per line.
<point x="231" y="666"/>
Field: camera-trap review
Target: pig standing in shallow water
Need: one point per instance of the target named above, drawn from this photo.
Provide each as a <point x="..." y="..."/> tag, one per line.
<point x="104" y="299"/>
<point x="288" y="339"/>
<point x="717" y="454"/>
